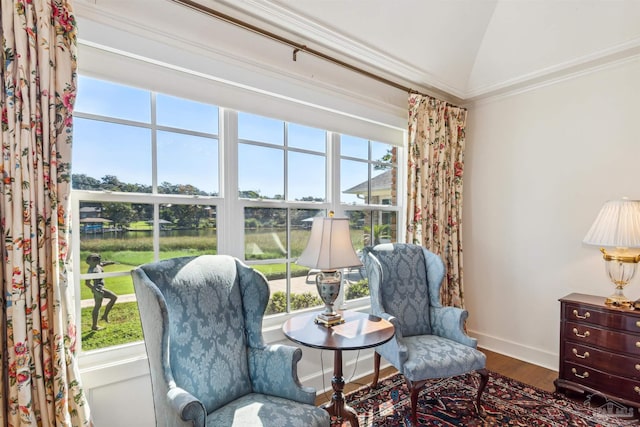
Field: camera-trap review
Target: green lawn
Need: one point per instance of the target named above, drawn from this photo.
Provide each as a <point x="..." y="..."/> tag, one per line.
<point x="124" y="320"/>
<point x="123" y="327"/>
<point x="127" y="260"/>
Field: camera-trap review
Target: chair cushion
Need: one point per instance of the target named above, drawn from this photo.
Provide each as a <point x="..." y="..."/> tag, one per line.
<point x="404" y="289"/>
<point x="206" y="329"/>
<point x="431" y="356"/>
<point x="261" y="410"/>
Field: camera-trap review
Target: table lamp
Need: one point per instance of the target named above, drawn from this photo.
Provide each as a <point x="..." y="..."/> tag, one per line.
<point x="616" y="231"/>
<point x="329" y="250"/>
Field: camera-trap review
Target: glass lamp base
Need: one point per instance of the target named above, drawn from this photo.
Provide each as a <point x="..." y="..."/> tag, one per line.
<point x="620" y="269"/>
<point x="617" y="299"/>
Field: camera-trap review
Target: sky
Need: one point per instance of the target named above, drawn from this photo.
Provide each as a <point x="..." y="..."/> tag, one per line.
<point x="124" y="150"/>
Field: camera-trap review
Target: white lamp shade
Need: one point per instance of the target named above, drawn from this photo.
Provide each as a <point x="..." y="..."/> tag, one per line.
<point x="617" y="225"/>
<point x="329" y="247"/>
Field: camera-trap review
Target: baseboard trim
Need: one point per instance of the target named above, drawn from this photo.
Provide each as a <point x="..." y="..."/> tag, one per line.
<point x="525" y="353"/>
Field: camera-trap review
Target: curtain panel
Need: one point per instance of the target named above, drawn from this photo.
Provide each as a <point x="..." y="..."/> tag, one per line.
<point x="434" y="185"/>
<point x="41" y="385"/>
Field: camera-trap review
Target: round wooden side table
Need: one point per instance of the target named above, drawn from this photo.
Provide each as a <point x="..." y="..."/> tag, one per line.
<point x="359" y="331"/>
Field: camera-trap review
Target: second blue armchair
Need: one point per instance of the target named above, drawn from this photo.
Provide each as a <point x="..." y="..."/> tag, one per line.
<point x="429" y="342"/>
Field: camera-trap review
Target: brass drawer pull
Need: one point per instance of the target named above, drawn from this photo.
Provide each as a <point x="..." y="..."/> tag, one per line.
<point x="638" y="344"/>
<point x="586" y="315"/>
<point x="637" y="389"/>
<point x="638" y="367"/>
<point x="586" y="354"/>
<point x="586" y="334"/>
<point x="575" y="372"/>
<point x="638" y="323"/>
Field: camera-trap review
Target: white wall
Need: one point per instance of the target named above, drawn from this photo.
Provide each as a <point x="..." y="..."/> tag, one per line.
<point x="539" y="165"/>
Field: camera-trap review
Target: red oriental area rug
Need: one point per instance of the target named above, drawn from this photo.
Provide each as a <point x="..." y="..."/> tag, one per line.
<point x="505" y="402"/>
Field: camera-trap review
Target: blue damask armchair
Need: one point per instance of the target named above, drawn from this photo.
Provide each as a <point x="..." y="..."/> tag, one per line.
<point x="429" y="342"/>
<point x="202" y="324"/>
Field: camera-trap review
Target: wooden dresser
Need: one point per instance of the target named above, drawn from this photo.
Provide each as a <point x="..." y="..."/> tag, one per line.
<point x="599" y="349"/>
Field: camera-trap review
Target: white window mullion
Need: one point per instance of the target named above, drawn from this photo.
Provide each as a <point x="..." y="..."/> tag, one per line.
<point x="333" y="173"/>
<point x="231" y="218"/>
<point x="285" y="153"/>
<point x="154" y="178"/>
<point x="401" y="190"/>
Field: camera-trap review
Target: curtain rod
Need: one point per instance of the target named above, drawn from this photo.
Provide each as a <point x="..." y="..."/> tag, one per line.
<point x="297" y="47"/>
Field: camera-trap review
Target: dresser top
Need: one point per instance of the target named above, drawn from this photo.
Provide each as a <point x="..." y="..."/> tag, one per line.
<point x="595" y="301"/>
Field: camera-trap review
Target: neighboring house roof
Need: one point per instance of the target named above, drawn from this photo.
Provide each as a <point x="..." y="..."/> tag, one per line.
<point x="89" y="209"/>
<point x="378" y="182"/>
<point x="95" y="220"/>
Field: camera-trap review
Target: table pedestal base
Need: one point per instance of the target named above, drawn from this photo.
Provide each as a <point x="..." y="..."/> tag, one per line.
<point x="360" y="331"/>
<point x="338" y="407"/>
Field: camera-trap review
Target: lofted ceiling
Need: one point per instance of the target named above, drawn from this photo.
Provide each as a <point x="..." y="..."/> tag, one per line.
<point x="466" y="48"/>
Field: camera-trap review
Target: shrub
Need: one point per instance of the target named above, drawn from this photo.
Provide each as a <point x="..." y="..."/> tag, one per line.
<point x="358" y="289"/>
<point x="304" y="300"/>
<point x="278" y="302"/>
<point x="251" y="223"/>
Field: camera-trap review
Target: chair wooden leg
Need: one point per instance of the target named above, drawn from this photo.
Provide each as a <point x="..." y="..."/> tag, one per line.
<point x="484" y="378"/>
<point x="414" y="406"/>
<point x="376" y="369"/>
<point x="414" y="390"/>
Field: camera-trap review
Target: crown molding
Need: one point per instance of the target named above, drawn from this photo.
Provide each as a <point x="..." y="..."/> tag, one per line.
<point x="552" y="80"/>
<point x="277" y="15"/>
<point x="572" y="68"/>
<point x="285" y="19"/>
<point x="272" y="13"/>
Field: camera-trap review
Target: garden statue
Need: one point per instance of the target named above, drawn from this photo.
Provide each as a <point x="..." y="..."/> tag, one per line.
<point x="99" y="291"/>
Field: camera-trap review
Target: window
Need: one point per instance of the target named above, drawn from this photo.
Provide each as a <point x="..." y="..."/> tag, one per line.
<point x="369" y="188"/>
<point x="286" y="162"/>
<point x="155" y="177"/>
<point x="280" y="161"/>
<point x="274" y="238"/>
<point x="135" y="176"/>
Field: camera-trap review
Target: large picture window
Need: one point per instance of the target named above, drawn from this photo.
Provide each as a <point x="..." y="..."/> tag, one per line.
<point x="368" y="186"/>
<point x="155" y="176"/>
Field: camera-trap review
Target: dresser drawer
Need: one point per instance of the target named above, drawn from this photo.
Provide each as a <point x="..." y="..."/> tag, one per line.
<point x="592" y="357"/>
<point x="606" y="318"/>
<point x="609" y="384"/>
<point x="586" y="334"/>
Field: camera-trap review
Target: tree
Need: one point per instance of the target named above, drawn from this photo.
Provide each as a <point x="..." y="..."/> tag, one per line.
<point x="386" y="160"/>
<point x="380" y="231"/>
<point x="250" y="194"/>
<point x="111" y="183"/>
<point x="120" y="213"/>
<point x="84" y="182"/>
<point x="187" y="216"/>
<point x="168" y="188"/>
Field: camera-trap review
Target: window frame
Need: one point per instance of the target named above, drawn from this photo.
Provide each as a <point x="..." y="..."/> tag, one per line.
<point x="229" y="208"/>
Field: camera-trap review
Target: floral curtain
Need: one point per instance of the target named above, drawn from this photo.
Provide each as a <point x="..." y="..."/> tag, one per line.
<point x="39" y="374"/>
<point x="435" y="168"/>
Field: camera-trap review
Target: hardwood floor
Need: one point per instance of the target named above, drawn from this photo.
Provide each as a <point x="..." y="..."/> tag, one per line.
<point x="527" y="373"/>
<point x="517" y="369"/>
